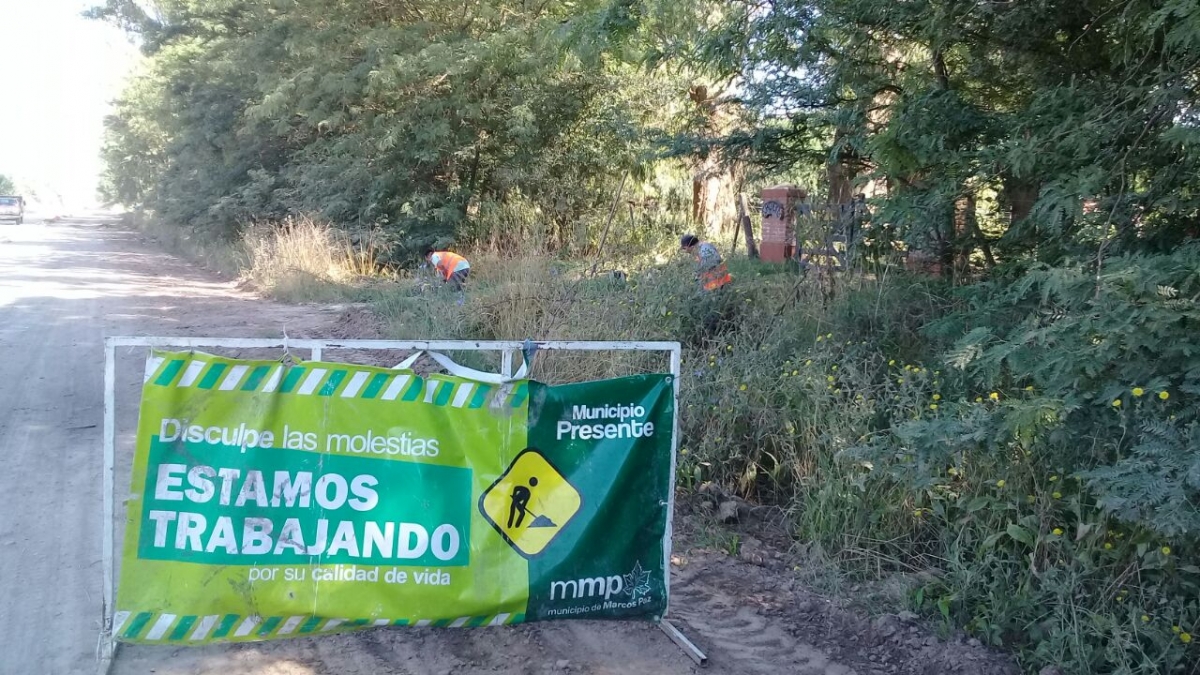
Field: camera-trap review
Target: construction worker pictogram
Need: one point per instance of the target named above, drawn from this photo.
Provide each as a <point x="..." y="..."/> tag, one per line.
<point x="530" y="503"/>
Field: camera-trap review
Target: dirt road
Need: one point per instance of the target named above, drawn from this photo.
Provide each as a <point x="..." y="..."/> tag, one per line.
<point x="64" y="286"/>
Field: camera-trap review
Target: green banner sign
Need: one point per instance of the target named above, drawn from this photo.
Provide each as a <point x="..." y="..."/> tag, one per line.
<point x="274" y="500"/>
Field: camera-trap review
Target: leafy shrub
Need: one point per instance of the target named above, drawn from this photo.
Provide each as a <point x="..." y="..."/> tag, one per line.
<point x="1063" y="475"/>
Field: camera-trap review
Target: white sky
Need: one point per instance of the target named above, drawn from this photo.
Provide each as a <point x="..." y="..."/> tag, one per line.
<point x="58" y="73"/>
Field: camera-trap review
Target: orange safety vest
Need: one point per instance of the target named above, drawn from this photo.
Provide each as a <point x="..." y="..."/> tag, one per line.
<point x="447" y="262"/>
<point x="715" y="278"/>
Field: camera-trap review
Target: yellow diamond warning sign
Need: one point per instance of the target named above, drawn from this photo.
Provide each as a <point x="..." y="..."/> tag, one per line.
<point x="530" y="503"/>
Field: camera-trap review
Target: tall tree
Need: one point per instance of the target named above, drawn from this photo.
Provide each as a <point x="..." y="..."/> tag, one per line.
<point x="408" y="115"/>
<point x="1046" y="104"/>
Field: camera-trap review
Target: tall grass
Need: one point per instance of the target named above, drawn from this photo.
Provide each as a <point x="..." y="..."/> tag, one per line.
<point x="302" y="259"/>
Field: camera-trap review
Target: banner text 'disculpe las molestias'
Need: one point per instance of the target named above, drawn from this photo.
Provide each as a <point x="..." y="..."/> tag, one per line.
<point x="274" y="500"/>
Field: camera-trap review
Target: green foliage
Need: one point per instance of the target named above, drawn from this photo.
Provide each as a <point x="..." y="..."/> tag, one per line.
<point x="1054" y="104"/>
<point x="411" y="117"/>
<point x="1110" y="357"/>
<point x="7" y="186"/>
<point x="1061" y="468"/>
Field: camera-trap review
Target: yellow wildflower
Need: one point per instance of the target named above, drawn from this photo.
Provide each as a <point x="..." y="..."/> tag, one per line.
<point x="795" y="373"/>
<point x="1058" y="531"/>
<point x="1162" y="395"/>
<point x="1138" y="391"/>
<point x="933" y="406"/>
<point x="1000" y="483"/>
<point x="1166" y="550"/>
<point x="995" y="396"/>
<point x="1175" y="629"/>
<point x="1108" y="546"/>
<point x="979" y="399"/>
<point x="892" y="362"/>
<point x="1145" y="619"/>
<point x="1185" y="638"/>
<point x="937" y="397"/>
<point x="829" y="378"/>
<point x="808" y="362"/>
<point x="742" y="388"/>
<point x="1053" y="479"/>
<point x="1116" y="403"/>
<point x="1057" y="495"/>
<point x="834" y="368"/>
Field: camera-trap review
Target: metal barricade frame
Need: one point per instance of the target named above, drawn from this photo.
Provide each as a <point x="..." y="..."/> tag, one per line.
<point x="317" y="349"/>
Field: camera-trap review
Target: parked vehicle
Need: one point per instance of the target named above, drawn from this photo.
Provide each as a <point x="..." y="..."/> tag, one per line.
<point x="12" y="208"/>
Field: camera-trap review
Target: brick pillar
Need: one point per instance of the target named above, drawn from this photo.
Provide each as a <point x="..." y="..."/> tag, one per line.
<point x="779" y="222"/>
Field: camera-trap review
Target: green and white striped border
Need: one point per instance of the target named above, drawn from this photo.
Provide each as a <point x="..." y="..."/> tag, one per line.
<point x="345" y="381"/>
<point x="163" y="627"/>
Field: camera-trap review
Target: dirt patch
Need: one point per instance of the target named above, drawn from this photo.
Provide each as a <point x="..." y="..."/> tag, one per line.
<point x="745" y="603"/>
<point x="760" y="619"/>
<point x="356" y="322"/>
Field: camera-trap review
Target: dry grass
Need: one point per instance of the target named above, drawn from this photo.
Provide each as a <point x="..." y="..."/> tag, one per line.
<point x="301" y="246"/>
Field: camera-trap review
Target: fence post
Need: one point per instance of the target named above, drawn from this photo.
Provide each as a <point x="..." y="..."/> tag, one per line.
<point x="747" y="226"/>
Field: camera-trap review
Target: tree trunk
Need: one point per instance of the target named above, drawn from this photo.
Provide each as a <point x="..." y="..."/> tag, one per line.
<point x="946" y="241"/>
<point x="1021" y="196"/>
<point x="965" y="226"/>
<point x="841" y="177"/>
<point x="747" y="226"/>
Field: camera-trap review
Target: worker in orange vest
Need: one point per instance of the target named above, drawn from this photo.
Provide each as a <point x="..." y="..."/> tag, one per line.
<point x="453" y="268"/>
<point x="710" y="269"/>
